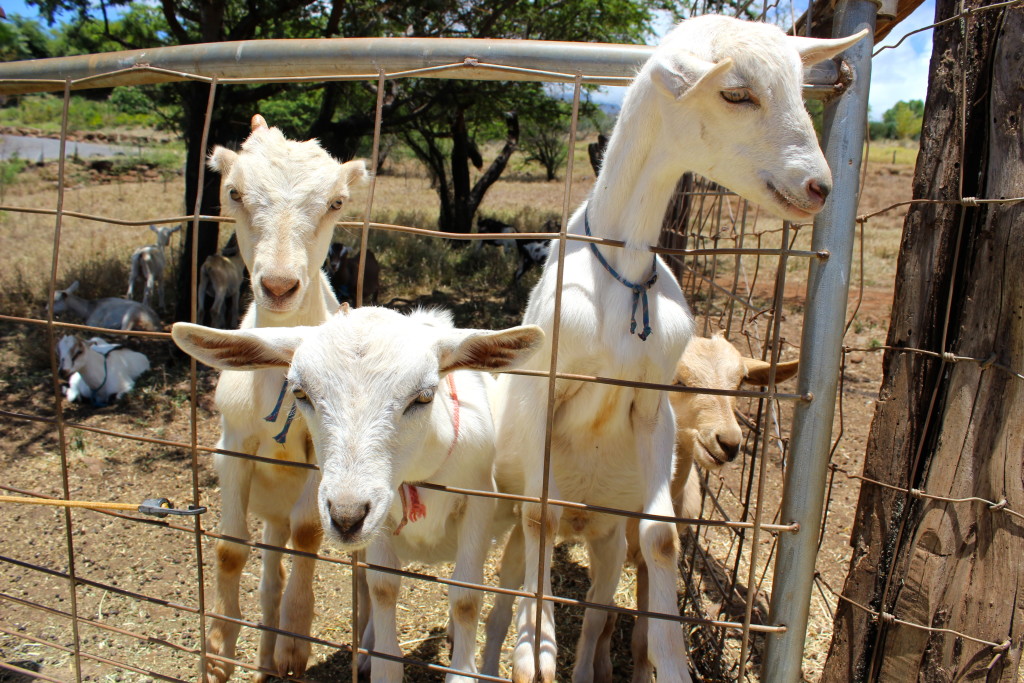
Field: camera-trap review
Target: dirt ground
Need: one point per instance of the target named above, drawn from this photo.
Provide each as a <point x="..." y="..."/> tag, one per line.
<point x="143" y="577"/>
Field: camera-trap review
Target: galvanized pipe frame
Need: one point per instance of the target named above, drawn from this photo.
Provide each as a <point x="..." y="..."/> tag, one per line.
<point x="824" y="326"/>
<point x="467" y="69"/>
<point x="327" y="59"/>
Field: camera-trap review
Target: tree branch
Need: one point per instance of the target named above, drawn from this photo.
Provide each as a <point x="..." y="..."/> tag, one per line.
<point x="497" y="167"/>
<point x="179" y="32"/>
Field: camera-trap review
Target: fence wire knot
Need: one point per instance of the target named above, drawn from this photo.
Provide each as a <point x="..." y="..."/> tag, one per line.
<point x="970" y="201"/>
<point x="949" y="357"/>
<point x="887" y="618"/>
<point x="916" y="493"/>
<point x="998" y="506"/>
<point x="471" y="61"/>
<point x="988" y="362"/>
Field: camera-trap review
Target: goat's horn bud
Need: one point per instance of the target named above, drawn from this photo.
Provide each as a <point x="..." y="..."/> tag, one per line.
<point x="344" y="308"/>
<point x="258" y="122"/>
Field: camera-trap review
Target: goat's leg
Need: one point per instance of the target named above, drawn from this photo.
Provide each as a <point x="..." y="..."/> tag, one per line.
<point x="217" y="311"/>
<point x="607" y="555"/>
<point x="365" y="625"/>
<point x="659" y="541"/>
<point x="529" y="638"/>
<point x="510" y="576"/>
<point x="464" y="603"/>
<point x="235" y="479"/>
<point x="384" y="590"/>
<point x="292" y="653"/>
<point x="643" y="672"/>
<point x="133" y="276"/>
<point x="275" y="533"/>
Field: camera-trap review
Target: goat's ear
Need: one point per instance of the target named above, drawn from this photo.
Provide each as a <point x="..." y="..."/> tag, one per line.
<point x="758" y="371"/>
<point x="814" y="50"/>
<point x="250" y="349"/>
<point x="685" y="73"/>
<point x="489" y="351"/>
<point x="354" y="172"/>
<point x="72" y="288"/>
<point x="221" y="160"/>
<point x="257" y="123"/>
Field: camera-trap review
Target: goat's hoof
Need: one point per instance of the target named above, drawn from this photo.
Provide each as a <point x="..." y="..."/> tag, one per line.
<point x="291" y="656"/>
<point x="364" y="667"/>
<point x="522" y="665"/>
<point x="218" y="672"/>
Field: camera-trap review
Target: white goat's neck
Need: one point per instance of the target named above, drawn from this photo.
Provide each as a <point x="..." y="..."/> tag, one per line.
<point x="93" y="371"/>
<point x="636" y="182"/>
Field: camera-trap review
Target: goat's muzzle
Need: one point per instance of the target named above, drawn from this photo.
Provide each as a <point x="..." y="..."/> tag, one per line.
<point x="279" y="291"/>
<point x="347" y="518"/>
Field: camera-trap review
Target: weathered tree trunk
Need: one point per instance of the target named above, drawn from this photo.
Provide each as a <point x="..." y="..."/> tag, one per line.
<point x="950" y="429"/>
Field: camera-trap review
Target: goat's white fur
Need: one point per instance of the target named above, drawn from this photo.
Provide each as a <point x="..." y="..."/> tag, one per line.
<point x="361" y="379"/>
<point x="285" y="197"/>
<point x="96" y="370"/>
<point x="221" y="276"/>
<point x="613" y="446"/>
<point x="113" y="313"/>
<point x="148" y="265"/>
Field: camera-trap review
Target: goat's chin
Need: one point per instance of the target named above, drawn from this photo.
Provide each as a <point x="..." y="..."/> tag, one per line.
<point x="785" y="206"/>
<point x="706" y="458"/>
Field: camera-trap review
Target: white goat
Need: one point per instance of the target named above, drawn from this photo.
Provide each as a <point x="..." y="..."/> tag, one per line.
<point x="285" y="197"/>
<point x="98" y="371"/>
<point x="114" y="313"/>
<point x="148" y="265"/>
<point x="389" y="403"/>
<point x="221" y="276"/>
<point x="720" y="97"/>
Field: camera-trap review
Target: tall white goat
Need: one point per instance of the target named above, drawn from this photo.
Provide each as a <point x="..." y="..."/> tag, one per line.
<point x="112" y="312"/>
<point x="221" y="276"/>
<point x="285" y="197"/>
<point x="98" y="371"/>
<point x="390" y="402"/>
<point x="148" y="264"/>
<point x="720" y="97"/>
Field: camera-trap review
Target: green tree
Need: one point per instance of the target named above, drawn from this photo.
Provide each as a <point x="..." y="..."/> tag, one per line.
<point x="905" y="119"/>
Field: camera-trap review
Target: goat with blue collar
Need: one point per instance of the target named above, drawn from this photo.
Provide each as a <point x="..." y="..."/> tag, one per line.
<point x="98" y="371"/>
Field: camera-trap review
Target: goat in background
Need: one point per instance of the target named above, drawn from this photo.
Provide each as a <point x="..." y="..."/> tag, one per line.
<point x="221" y="276"/>
<point x="148" y="264"/>
<point x="97" y="370"/>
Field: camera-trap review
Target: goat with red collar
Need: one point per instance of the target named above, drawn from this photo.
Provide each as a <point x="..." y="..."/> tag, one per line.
<point x="392" y="401"/>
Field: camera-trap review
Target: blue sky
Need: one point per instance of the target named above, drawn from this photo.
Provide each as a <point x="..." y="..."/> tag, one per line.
<point x="900" y="74"/>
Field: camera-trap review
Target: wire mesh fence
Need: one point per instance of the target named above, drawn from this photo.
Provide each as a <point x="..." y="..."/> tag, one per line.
<point x="114" y="594"/>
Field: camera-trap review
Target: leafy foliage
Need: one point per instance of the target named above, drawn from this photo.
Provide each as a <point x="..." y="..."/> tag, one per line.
<point x="901" y="122"/>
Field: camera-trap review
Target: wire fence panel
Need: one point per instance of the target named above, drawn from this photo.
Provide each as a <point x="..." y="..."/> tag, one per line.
<point x="115" y="593"/>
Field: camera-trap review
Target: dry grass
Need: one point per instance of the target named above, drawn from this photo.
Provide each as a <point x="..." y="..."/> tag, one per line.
<point x="476" y="284"/>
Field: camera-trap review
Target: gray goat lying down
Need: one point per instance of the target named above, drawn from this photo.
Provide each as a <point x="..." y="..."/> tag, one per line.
<point x="113" y="312"/>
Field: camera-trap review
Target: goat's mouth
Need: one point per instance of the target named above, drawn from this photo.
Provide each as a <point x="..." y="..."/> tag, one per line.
<point x="793" y="209"/>
<point x="707" y="457"/>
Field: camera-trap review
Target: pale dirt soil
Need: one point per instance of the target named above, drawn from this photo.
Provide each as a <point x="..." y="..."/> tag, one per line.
<point x="160" y="562"/>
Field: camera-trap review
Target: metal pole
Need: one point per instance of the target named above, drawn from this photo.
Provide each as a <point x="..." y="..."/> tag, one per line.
<point x="827" y="291"/>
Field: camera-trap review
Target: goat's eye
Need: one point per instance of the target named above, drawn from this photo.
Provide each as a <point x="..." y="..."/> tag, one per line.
<point x="425" y="396"/>
<point x="235" y="195"/>
<point x="299" y="394"/>
<point x="738" y="96"/>
<point x="337" y="204"/>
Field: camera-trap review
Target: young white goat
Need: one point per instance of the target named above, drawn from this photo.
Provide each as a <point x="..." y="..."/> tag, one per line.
<point x="98" y="371"/>
<point x="114" y="313"/>
<point x="390" y="401"/>
<point x="720" y="97"/>
<point x="148" y="265"/>
<point x="221" y="276"/>
<point x="285" y="197"/>
<point x="707" y="434"/>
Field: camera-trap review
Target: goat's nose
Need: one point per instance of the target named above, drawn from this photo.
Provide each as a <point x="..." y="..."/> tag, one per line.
<point x="818" y="190"/>
<point x="730" y="447"/>
<point x="347" y="518"/>
<point x="279" y="287"/>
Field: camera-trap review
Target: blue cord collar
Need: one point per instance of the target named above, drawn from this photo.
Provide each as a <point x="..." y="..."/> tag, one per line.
<point x="639" y="290"/>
